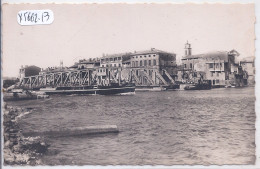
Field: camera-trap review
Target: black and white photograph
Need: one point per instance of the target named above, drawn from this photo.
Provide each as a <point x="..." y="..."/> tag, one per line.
<point x="128" y="84"/>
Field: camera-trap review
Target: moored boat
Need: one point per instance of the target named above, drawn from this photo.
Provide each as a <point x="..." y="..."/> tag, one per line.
<point x="111" y="89"/>
<point x="202" y="85"/>
<point x="150" y="88"/>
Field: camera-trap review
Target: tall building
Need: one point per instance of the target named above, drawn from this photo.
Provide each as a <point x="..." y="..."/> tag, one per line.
<point x="220" y="67"/>
<point x="154" y="66"/>
<point x="26" y="71"/>
<point x="187" y="49"/>
<point x="248" y="66"/>
<point x="154" y="59"/>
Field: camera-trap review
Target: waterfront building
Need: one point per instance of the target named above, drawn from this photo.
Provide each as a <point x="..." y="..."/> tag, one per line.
<point x="114" y="60"/>
<point x="145" y="68"/>
<point x="90" y="63"/>
<point x="85" y="64"/>
<point x="155" y="59"/>
<point x="151" y="68"/>
<point x="220" y="67"/>
<point x="248" y="66"/>
<point x="26" y="71"/>
<point x="154" y="67"/>
<point x="54" y="69"/>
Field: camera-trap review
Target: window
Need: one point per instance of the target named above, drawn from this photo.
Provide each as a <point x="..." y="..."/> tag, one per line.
<point x="140" y="56"/>
<point x="153" y="55"/>
<point x="217" y="73"/>
<point x="217" y="81"/>
<point x="211" y="65"/>
<point x="133" y="64"/>
<point x="141" y="63"/>
<point x="149" y="55"/>
<point x="102" y="65"/>
<point x="150" y="62"/>
<point x="154" y="62"/>
<point x="119" y="65"/>
<point x="145" y="56"/>
<point x="217" y="65"/>
<point x="150" y="72"/>
<point x="190" y="65"/>
<point x="184" y="65"/>
<point x="119" y="58"/>
<point x="114" y="65"/>
<point x="212" y="74"/>
<point x="136" y="63"/>
<point x="111" y="59"/>
<point x="115" y="58"/>
<point x="145" y="62"/>
<point x="136" y="57"/>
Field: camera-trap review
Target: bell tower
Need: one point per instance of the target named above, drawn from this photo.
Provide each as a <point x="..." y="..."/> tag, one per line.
<point x="187" y="49"/>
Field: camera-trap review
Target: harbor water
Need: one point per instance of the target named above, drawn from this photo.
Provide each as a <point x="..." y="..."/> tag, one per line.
<point x="156" y="128"/>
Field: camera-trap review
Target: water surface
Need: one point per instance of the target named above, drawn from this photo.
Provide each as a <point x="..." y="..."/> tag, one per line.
<point x="168" y="128"/>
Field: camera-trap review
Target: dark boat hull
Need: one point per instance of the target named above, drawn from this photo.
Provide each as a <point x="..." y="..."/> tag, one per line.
<point x="92" y="91"/>
<point x="198" y="87"/>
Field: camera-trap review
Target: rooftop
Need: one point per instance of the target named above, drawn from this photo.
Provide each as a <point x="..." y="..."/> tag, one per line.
<point x="219" y="55"/>
<point x="152" y="51"/>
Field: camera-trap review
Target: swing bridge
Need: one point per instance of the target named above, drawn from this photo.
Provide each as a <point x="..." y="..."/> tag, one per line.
<point x="98" y="76"/>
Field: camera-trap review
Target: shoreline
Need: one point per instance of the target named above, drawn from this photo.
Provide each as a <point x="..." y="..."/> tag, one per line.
<point x="17" y="149"/>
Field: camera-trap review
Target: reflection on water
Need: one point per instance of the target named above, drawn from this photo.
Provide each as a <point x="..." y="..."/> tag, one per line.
<point x="172" y="127"/>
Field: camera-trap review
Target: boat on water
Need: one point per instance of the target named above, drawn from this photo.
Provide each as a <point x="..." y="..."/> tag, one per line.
<point x="112" y="89"/>
<point x="20" y="94"/>
<point x="201" y="85"/>
<point x="150" y="88"/>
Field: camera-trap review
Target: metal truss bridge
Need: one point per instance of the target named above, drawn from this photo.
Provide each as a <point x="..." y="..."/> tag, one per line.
<point x="97" y="76"/>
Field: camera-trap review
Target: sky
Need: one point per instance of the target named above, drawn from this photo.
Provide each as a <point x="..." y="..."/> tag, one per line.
<point x="90" y="30"/>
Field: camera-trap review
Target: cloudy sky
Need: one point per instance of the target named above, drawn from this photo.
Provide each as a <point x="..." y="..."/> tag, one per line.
<point x="89" y="30"/>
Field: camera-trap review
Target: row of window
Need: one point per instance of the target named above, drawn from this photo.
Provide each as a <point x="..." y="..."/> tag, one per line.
<point x="111" y="59"/>
<point x="143" y="63"/>
<point x="101" y="70"/>
<point x="217" y="65"/>
<point x="111" y="65"/>
<point x="212" y="74"/>
<point x="211" y="65"/>
<point x="185" y="66"/>
<point x="141" y="56"/>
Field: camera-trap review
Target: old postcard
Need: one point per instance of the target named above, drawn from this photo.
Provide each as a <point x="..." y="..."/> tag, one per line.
<point x="128" y="84"/>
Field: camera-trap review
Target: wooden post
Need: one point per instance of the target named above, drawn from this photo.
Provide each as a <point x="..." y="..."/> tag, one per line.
<point x="61" y="79"/>
<point x="88" y="77"/>
<point x="109" y="77"/>
<point x="119" y="77"/>
<point x="30" y="81"/>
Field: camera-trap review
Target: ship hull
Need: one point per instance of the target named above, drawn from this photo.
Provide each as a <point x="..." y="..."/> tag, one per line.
<point x="91" y="91"/>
